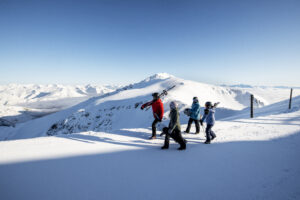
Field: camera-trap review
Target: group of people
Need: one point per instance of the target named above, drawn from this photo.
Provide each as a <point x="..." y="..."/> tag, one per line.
<point x="174" y="128"/>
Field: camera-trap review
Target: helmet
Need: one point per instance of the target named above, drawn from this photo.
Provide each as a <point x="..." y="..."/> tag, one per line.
<point x="173" y="105"/>
<point x="195" y="99"/>
<point x="208" y="104"/>
<point x="155" y="95"/>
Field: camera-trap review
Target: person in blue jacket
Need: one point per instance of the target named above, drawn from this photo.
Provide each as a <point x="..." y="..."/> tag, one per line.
<point x="194" y="116"/>
<point x="209" y="117"/>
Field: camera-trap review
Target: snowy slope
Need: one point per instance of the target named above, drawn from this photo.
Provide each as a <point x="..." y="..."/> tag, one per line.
<point x="120" y="109"/>
<point x="13" y="94"/>
<point x="20" y="103"/>
<point x="250" y="159"/>
<point x="267" y="95"/>
<point x="276" y="108"/>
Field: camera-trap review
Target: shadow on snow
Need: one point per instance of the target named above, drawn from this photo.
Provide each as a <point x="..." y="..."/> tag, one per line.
<point x="231" y="170"/>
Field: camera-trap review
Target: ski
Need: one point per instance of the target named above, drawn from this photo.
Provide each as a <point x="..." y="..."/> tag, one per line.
<point x="163" y="93"/>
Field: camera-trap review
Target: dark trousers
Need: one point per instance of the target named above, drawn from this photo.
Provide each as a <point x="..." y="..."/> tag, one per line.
<point x="190" y="124"/>
<point x="209" y="133"/>
<point x="154" y="127"/>
<point x="176" y="135"/>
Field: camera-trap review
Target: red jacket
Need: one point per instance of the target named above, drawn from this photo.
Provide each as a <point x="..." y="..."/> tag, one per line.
<point x="157" y="108"/>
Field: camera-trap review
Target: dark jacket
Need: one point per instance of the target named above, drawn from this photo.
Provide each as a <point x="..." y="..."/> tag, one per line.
<point x="174" y="120"/>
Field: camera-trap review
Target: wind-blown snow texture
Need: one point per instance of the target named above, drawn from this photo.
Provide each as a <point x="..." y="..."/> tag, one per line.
<point x="250" y="158"/>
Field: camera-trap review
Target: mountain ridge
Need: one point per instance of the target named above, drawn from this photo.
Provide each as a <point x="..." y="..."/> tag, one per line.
<point x="119" y="109"/>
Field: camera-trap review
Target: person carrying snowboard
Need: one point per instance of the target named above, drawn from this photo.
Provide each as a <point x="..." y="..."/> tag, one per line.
<point x="174" y="130"/>
<point x="194" y="116"/>
<point x="158" y="112"/>
<point x="209" y="116"/>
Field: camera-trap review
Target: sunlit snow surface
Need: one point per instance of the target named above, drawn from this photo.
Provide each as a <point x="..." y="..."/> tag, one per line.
<point x="250" y="158"/>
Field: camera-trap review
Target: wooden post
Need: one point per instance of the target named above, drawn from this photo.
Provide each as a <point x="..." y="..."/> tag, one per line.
<point x="291" y="95"/>
<point x="251" y="105"/>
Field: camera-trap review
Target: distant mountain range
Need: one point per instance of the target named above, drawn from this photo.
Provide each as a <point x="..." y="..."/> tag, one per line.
<point x="251" y="86"/>
<point x="120" y="108"/>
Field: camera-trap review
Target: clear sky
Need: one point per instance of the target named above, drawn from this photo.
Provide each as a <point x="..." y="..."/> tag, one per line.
<point x="122" y="41"/>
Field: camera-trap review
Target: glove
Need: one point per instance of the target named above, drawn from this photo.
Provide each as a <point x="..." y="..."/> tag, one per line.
<point x="201" y="122"/>
<point x="206" y="111"/>
<point x="215" y="105"/>
<point x="142" y="108"/>
<point x="157" y="117"/>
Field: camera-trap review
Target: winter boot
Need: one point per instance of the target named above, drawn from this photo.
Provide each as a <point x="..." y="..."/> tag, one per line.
<point x="182" y="145"/>
<point x="164" y="147"/>
<point x="181" y="148"/>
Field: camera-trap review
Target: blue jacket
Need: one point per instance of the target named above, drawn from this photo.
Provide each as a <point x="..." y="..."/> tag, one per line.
<point x="195" y="111"/>
<point x="209" y="116"/>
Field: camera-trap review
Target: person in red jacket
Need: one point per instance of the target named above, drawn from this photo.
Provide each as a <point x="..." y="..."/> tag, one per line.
<point x="158" y="112"/>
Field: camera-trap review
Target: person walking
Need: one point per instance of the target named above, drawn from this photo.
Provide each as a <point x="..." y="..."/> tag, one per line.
<point x="158" y="112"/>
<point x="209" y="117"/>
<point x="194" y="116"/>
<point x="173" y="130"/>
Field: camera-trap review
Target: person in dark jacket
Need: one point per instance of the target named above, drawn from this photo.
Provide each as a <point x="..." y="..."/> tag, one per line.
<point x="194" y="116"/>
<point x="209" y="116"/>
<point x="158" y="112"/>
<point x="174" y="130"/>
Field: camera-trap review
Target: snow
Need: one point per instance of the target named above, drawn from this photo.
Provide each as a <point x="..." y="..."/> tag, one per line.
<point x="110" y="112"/>
<point x="250" y="158"/>
<point x="21" y="103"/>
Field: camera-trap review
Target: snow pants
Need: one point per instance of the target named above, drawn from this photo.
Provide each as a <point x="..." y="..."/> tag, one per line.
<point x="209" y="133"/>
<point x="154" y="127"/>
<point x="176" y="135"/>
<point x="190" y="124"/>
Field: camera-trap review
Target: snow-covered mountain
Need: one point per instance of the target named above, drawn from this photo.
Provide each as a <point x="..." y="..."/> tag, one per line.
<point x="121" y="109"/>
<point x="20" y="103"/>
<point x="13" y="94"/>
<point x="111" y="157"/>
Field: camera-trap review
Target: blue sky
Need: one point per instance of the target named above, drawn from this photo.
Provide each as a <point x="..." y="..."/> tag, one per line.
<point x="117" y="41"/>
